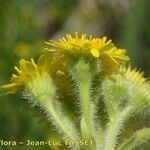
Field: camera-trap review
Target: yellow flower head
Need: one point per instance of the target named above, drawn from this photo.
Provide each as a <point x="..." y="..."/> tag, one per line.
<point x="138" y="85"/>
<point x="31" y="75"/>
<point x="128" y="86"/>
<point x="133" y="75"/>
<point x="25" y="73"/>
<point x="84" y="46"/>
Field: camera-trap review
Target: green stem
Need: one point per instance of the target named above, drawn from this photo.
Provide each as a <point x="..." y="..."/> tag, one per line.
<point x="114" y="128"/>
<point x="140" y="137"/>
<point x="85" y="103"/>
<point x="112" y="109"/>
<point x="100" y="138"/>
<point x="87" y="116"/>
<point x="62" y="122"/>
<point x="83" y="78"/>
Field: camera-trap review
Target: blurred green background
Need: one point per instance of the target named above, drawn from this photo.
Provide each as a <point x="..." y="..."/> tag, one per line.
<point x="26" y="24"/>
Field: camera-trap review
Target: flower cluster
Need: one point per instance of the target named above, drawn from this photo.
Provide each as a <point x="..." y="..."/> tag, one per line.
<point x="92" y="74"/>
<point x="81" y="47"/>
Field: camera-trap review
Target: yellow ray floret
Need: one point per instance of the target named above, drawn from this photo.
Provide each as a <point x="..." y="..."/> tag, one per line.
<point x="83" y="46"/>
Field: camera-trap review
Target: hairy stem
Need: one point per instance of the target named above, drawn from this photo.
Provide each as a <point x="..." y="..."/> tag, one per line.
<point x="114" y="128"/>
<point x="140" y="137"/>
<point x="63" y="122"/>
<point x="85" y="103"/>
<point x="60" y="120"/>
<point x="83" y="78"/>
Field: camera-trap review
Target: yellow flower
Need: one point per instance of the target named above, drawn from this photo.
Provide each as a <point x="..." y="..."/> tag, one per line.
<point x="127" y="86"/>
<point x="99" y="48"/>
<point x="25" y="73"/>
<point x="139" y="87"/>
<point x="31" y="75"/>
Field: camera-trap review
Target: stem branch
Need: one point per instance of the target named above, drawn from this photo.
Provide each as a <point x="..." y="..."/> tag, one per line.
<point x="114" y="128"/>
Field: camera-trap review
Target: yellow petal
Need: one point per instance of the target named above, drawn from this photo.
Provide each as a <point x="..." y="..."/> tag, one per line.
<point x="95" y="52"/>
